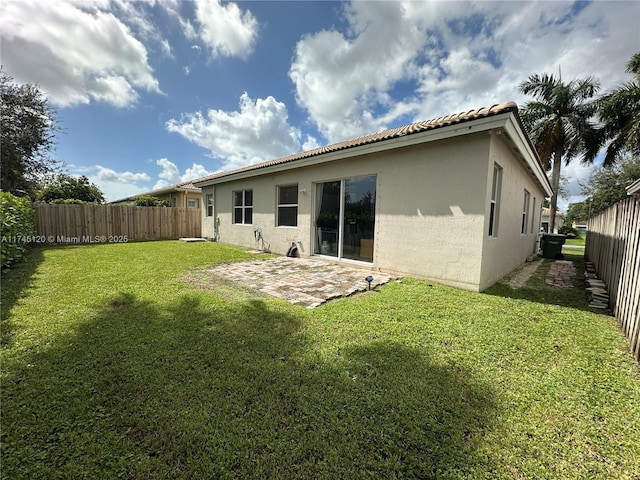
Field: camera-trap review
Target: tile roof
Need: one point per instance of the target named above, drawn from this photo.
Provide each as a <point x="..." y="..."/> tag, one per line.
<point x="187" y="186"/>
<point x="161" y="191"/>
<point x="410" y="129"/>
<point x="546" y="211"/>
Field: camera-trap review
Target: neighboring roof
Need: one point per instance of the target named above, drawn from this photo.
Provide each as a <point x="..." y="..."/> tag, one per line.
<point x="547" y="210"/>
<point x="178" y="187"/>
<point x="634" y="188"/>
<point x="326" y="153"/>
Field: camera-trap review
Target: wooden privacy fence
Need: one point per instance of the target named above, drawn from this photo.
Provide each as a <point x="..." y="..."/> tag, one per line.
<point x="68" y="223"/>
<point x="613" y="245"/>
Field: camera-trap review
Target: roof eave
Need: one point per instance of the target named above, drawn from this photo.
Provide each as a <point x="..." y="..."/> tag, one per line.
<point x="440" y="133"/>
<point x="160" y="191"/>
<point x="523" y="145"/>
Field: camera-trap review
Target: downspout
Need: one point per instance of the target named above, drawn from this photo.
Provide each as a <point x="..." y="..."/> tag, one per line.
<point x="216" y="219"/>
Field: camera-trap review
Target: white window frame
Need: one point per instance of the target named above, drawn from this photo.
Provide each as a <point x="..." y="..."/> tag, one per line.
<point x="494" y="205"/>
<point x="286" y="205"/>
<point x="192" y="203"/>
<point x="209" y="204"/>
<point x="525" y="212"/>
<point x="244" y="207"/>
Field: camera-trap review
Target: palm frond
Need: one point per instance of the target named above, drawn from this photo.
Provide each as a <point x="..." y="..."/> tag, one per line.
<point x="633" y="65"/>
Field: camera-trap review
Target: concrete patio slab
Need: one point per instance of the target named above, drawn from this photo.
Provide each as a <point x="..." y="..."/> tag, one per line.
<point x="301" y="281"/>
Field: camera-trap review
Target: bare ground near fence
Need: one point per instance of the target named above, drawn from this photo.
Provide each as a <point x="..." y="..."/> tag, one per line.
<point x="101" y="223"/>
<point x="613" y="245"/>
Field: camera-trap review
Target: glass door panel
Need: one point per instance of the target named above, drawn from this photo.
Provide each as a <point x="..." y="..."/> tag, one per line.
<point x="359" y="218"/>
<point x="327" y="218"/>
<point x="345" y="218"/>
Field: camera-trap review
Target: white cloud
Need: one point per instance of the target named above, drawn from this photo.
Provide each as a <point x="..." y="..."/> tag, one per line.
<point x="118" y="185"/>
<point x="452" y="56"/>
<point x="77" y="53"/>
<point x="340" y="77"/>
<point x="258" y="131"/>
<point x="110" y="175"/>
<point x="165" y="47"/>
<point x="170" y="174"/>
<point x="225" y="29"/>
<point x="114" y="185"/>
<point x="310" y="144"/>
<point x="195" y="171"/>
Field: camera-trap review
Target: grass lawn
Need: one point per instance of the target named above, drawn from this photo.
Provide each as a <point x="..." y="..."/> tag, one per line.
<point x="579" y="241"/>
<point x="114" y="367"/>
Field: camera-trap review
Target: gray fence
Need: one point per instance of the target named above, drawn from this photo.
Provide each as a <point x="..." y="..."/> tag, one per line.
<point x="613" y="245"/>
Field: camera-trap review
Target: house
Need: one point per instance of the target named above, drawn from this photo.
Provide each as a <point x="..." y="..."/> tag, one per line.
<point x="180" y="195"/>
<point x="545" y="220"/>
<point x="581" y="226"/>
<point x="455" y="199"/>
<point x="634" y="188"/>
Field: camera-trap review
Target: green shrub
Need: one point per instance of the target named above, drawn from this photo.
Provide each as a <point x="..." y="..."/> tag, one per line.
<point x="69" y="201"/>
<point x="18" y="226"/>
<point x="568" y="231"/>
<point x="149" y="201"/>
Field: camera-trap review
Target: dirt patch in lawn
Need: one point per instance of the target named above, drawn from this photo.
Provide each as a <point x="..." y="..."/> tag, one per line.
<point x="520" y="278"/>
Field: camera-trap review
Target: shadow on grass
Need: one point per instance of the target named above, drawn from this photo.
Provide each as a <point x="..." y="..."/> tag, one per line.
<point x="16" y="282"/>
<point x="536" y="290"/>
<point x="200" y="389"/>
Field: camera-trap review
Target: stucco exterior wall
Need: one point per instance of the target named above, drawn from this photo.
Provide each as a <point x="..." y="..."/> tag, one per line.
<point x="430" y="208"/>
<point x="179" y="199"/>
<point x="431" y="211"/>
<point x="433" y="200"/>
<point x="503" y="253"/>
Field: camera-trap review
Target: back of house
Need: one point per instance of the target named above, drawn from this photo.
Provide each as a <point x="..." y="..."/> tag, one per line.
<point x="456" y="199"/>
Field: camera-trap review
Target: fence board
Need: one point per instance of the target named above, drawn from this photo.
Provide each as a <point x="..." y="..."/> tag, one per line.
<point x="613" y="245"/>
<point x="68" y="223"/>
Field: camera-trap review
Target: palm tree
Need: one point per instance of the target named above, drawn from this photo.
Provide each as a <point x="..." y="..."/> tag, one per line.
<point x="560" y="124"/>
<point x="619" y="112"/>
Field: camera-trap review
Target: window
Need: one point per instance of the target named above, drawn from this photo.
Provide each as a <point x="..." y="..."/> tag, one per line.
<point x="525" y="212"/>
<point x="243" y="207"/>
<point x="192" y="203"/>
<point x="494" y="208"/>
<point x="533" y="215"/>
<point x="209" y="202"/>
<point x="288" y="206"/>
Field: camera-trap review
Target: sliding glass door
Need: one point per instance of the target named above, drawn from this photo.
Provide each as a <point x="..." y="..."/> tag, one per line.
<point x="345" y="218"/>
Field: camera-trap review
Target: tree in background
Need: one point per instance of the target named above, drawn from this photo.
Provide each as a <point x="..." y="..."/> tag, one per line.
<point x="576" y="212"/>
<point x="66" y="187"/>
<point x="607" y="184"/>
<point x="149" y="201"/>
<point x="619" y="111"/>
<point x="28" y="127"/>
<point x="560" y="124"/>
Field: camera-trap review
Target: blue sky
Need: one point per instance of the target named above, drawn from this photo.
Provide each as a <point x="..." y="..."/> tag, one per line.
<point x="153" y="93"/>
